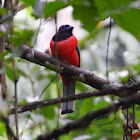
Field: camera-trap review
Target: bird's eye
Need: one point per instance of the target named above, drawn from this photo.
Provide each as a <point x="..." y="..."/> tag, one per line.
<point x="66" y="26"/>
<point x="61" y="28"/>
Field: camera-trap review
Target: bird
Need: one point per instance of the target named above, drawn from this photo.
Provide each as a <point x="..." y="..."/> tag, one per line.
<point x="64" y="46"/>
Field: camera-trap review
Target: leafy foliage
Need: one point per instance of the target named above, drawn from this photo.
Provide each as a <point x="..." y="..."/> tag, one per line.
<point x="48" y="112"/>
<point x="101" y="9"/>
<point x="35" y="81"/>
<point x="2" y="11"/>
<point x="120" y="10"/>
<point x="2" y="131"/>
<point x="52" y="7"/>
<point x="29" y="2"/>
<point x="89" y="21"/>
<point x="21" y="37"/>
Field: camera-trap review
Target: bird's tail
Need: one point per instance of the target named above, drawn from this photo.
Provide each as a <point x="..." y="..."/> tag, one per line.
<point x="68" y="90"/>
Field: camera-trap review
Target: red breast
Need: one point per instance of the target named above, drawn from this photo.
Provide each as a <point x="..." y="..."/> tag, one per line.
<point x="66" y="50"/>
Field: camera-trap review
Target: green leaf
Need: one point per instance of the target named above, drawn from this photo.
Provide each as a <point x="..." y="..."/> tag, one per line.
<point x="9" y="72"/>
<point x="2" y="55"/>
<point x="129" y="23"/>
<point x="21" y="73"/>
<point x="137" y="68"/>
<point x="84" y="109"/>
<point x="23" y="102"/>
<point x="48" y="112"/>
<point x="29" y="2"/>
<point x="124" y="80"/>
<point x="101" y="8"/>
<point x="86" y="12"/>
<point x="35" y="69"/>
<point x="120" y="10"/>
<point x="40" y="77"/>
<point x="100" y="105"/>
<point x="21" y="37"/>
<point x="2" y="11"/>
<point x="1" y="34"/>
<point x="90" y="12"/>
<point x="2" y="129"/>
<point x="52" y="7"/>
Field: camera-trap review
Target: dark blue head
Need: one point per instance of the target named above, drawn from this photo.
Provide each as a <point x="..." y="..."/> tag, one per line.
<point x="64" y="32"/>
<point x="64" y="28"/>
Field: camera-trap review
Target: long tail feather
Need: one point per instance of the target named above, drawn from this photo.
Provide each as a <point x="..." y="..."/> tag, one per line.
<point x="68" y="107"/>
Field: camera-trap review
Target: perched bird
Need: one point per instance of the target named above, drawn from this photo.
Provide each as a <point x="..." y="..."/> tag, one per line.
<point x="65" y="46"/>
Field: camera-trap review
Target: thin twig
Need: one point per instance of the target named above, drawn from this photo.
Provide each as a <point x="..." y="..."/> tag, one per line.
<point x="23" y="129"/>
<point x="55" y="54"/>
<point x="47" y="86"/>
<point x="33" y="92"/>
<point x="10" y="134"/>
<point x="35" y="102"/>
<point x="38" y="30"/>
<point x="2" y="75"/>
<point x="107" y="122"/>
<point x="4" y="87"/>
<point x="127" y="122"/>
<point x="9" y="129"/>
<point x="15" y="77"/>
<point x="88" y="118"/>
<point x="133" y="113"/>
<point x="40" y="104"/>
<point x="32" y="82"/>
<point x="16" y="98"/>
<point x="58" y="93"/>
<point x="107" y="52"/>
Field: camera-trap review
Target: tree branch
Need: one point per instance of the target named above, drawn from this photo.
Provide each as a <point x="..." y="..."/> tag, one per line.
<point x="4" y="86"/>
<point x="77" y="74"/>
<point x="88" y="118"/>
<point x="6" y="120"/>
<point x="121" y="92"/>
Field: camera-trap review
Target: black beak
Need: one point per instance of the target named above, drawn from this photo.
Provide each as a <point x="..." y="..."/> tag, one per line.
<point x="70" y="28"/>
